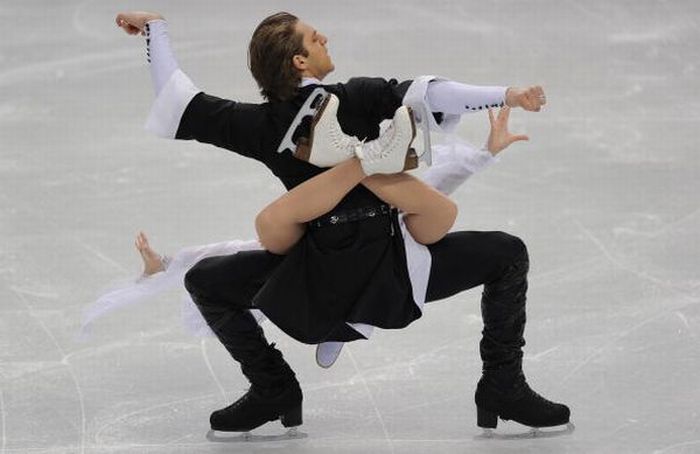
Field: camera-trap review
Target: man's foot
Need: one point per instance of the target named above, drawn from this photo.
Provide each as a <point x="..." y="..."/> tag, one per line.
<point x="517" y="402"/>
<point x="257" y="407"/>
<point x="152" y="261"/>
<point x="327" y="353"/>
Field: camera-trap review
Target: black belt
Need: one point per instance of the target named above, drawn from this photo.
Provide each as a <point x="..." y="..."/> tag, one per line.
<point x="356" y="214"/>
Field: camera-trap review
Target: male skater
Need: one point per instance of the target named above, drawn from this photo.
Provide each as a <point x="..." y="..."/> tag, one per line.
<point x="288" y="58"/>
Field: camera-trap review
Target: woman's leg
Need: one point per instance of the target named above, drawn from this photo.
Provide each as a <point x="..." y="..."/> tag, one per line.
<point x="429" y="213"/>
<point x="281" y="224"/>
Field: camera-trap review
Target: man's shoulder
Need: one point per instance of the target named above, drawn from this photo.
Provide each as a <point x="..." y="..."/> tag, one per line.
<point x="368" y="81"/>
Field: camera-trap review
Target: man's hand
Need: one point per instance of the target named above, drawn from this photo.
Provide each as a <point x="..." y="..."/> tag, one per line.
<point x="530" y="98"/>
<point x="499" y="137"/>
<point x="134" y="22"/>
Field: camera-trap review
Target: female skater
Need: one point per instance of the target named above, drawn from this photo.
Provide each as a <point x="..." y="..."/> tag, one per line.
<point x="452" y="165"/>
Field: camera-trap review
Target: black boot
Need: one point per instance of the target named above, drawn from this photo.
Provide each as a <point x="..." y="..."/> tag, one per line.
<point x="257" y="407"/>
<point x="502" y="391"/>
<point x="518" y="402"/>
<point x="274" y="392"/>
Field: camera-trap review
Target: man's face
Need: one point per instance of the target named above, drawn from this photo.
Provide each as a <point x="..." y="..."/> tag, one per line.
<point x="318" y="63"/>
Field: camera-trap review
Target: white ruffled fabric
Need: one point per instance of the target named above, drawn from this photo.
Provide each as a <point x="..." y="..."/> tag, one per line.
<point x="142" y="288"/>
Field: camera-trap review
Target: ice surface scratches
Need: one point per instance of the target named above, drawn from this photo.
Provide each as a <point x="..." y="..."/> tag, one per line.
<point x="64" y="360"/>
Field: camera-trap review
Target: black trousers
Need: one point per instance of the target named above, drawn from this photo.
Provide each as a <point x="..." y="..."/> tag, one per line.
<point x="223" y="287"/>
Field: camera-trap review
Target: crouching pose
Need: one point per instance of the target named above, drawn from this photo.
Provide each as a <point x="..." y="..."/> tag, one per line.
<point x="357" y="266"/>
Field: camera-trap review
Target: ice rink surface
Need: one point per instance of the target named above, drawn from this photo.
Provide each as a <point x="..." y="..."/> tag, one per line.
<point x="605" y="194"/>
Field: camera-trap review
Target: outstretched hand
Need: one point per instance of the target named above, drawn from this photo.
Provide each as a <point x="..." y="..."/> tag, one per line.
<point x="134" y="22"/>
<point x="499" y="137"/>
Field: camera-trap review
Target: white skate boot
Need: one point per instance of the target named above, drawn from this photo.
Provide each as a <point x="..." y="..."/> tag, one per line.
<point x="327" y="353"/>
<point x="328" y="145"/>
<point x="391" y="152"/>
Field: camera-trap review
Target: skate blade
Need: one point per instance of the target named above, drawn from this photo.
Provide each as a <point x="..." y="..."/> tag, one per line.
<point x="246" y="437"/>
<point x="308" y="109"/>
<point x="422" y="134"/>
<point x="533" y="432"/>
<point x="305" y="144"/>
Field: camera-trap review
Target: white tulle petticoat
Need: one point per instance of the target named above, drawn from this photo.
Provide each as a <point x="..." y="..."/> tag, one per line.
<point x="144" y="287"/>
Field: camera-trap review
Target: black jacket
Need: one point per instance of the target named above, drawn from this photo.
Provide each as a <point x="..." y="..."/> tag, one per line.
<point x="354" y="272"/>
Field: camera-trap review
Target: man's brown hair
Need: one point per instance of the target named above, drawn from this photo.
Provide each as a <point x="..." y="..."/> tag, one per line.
<point x="273" y="45"/>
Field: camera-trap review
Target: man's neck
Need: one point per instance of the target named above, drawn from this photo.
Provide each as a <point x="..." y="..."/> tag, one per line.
<point x="309" y="81"/>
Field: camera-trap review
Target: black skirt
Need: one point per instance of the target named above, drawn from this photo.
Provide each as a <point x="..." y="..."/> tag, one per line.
<point x="351" y="272"/>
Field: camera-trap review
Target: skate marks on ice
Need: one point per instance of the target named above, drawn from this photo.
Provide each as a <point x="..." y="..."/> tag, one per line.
<point x="2" y="420"/>
<point x="247" y="437"/>
<point x="532" y="432"/>
<point x="371" y="397"/>
<point x="64" y="361"/>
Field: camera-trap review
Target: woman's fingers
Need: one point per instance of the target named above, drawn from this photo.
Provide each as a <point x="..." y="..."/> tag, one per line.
<point x="503" y="114"/>
<point x="517" y="138"/>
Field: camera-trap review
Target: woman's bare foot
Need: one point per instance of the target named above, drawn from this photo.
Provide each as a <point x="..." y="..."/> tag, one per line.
<point x="152" y="261"/>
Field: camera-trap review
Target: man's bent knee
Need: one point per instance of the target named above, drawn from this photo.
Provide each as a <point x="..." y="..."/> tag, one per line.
<point x="195" y="278"/>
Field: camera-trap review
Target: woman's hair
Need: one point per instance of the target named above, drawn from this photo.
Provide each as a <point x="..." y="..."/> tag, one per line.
<point x="273" y="45"/>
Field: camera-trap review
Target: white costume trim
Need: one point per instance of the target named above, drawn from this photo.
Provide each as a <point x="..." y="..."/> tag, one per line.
<point x="173" y="89"/>
<point x="167" y="109"/>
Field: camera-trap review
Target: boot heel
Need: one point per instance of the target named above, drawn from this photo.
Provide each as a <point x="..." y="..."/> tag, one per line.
<point x="411" y="161"/>
<point x="292" y="418"/>
<point x="486" y="419"/>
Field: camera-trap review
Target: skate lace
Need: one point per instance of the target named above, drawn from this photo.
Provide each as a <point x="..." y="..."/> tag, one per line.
<point x="376" y="149"/>
<point x="343" y="141"/>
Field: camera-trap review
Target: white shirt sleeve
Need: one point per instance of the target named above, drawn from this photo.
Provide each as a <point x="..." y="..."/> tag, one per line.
<point x="454" y="161"/>
<point x="456" y="98"/>
<point x="173" y="89"/>
<point x="160" y="55"/>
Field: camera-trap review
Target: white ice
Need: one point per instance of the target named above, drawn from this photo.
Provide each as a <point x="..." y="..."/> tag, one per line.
<point x="605" y="194"/>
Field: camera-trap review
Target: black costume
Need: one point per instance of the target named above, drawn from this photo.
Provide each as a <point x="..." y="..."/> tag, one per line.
<point x="314" y="280"/>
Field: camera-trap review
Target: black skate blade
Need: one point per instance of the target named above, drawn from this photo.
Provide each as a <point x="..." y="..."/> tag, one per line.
<point x="532" y="432"/>
<point x="247" y="437"/>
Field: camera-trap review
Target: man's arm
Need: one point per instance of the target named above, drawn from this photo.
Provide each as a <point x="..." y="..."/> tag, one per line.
<point x="181" y="110"/>
<point x="160" y="55"/>
<point x="457" y="98"/>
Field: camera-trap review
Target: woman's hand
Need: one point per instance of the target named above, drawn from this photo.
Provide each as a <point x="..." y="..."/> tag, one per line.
<point x="134" y="22"/>
<point x="499" y="137"/>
